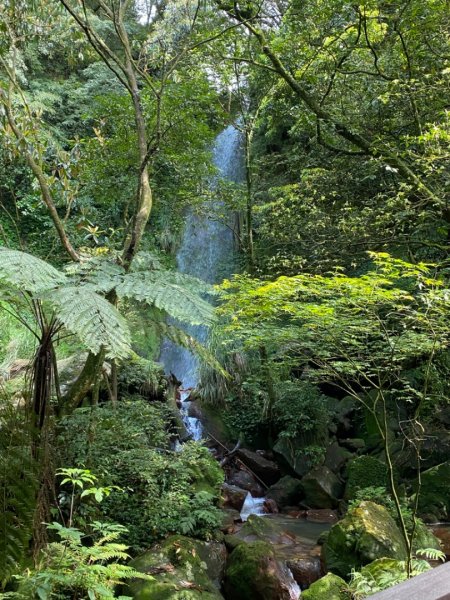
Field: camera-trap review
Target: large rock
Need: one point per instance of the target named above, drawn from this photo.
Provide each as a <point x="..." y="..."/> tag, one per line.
<point x="267" y="470"/>
<point x="246" y="481"/>
<point x="434" y="497"/>
<point x="253" y="573"/>
<point x="182" y="569"/>
<point x="321" y="488"/>
<point x="233" y="496"/>
<point x="286" y="492"/>
<point x="330" y="587"/>
<point x="337" y="457"/>
<point x="366" y="533"/>
<point x="305" y="570"/>
<point x="292" y="451"/>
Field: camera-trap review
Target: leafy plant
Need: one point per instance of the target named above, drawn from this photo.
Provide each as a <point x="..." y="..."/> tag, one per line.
<point x="70" y="568"/>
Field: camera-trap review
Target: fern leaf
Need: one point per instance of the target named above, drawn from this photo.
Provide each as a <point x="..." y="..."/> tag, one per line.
<point x="159" y="289"/>
<point x="181" y="338"/>
<point x="93" y="319"/>
<point x="27" y="272"/>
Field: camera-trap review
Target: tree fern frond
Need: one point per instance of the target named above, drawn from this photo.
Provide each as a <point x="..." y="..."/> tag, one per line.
<point x="27" y="272"/>
<point x="93" y="319"/>
<point x="100" y="273"/>
<point x="157" y="288"/>
<point x="181" y="338"/>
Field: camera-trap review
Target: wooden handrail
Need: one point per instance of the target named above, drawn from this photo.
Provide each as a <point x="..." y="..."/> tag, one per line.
<point x="432" y="585"/>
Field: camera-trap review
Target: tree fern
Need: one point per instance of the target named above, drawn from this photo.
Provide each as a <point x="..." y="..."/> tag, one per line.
<point x="181" y="338"/>
<point x="159" y="289"/>
<point x="93" y="319"/>
<point x="27" y="272"/>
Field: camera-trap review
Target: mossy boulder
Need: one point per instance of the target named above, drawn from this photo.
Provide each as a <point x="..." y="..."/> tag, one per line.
<point x="182" y="568"/>
<point x="292" y="452"/>
<point x="363" y="472"/>
<point x="286" y="492"/>
<point x="321" y="488"/>
<point x="434" y="498"/>
<point x="366" y="533"/>
<point x="253" y="573"/>
<point x="330" y="587"/>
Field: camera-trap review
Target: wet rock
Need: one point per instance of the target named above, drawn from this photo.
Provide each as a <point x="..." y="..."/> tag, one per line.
<point x="246" y="481"/>
<point x="286" y="492"/>
<point x="366" y="533"/>
<point x="442" y="533"/>
<point x="267" y="470"/>
<point x="181" y="567"/>
<point x="254" y="573"/>
<point x="233" y="496"/>
<point x="321" y="488"/>
<point x="337" y="457"/>
<point x="330" y="587"/>
<point x="270" y="506"/>
<point x="305" y="570"/>
<point x="321" y="515"/>
<point x="294" y="512"/>
<point x="229" y="519"/>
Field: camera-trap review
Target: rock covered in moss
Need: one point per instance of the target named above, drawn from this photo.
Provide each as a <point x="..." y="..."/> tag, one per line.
<point x="330" y="587"/>
<point x="434" y="498"/>
<point x="321" y="488"/>
<point x="364" y="471"/>
<point x="286" y="492"/>
<point x="182" y="568"/>
<point x="366" y="533"/>
<point x="253" y="573"/>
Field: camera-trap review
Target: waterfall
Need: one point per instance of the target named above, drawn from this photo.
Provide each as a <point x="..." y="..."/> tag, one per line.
<point x="206" y="252"/>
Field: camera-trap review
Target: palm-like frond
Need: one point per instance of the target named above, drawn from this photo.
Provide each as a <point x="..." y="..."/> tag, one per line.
<point x="159" y="289"/>
<point x="27" y="272"/>
<point x="93" y="319"/>
<point x="181" y="338"/>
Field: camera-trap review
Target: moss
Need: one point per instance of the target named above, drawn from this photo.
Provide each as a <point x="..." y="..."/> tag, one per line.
<point x="366" y="533"/>
<point x="434" y="498"/>
<point x="363" y="472"/>
<point x="330" y="587"/>
<point x="251" y="573"/>
<point x="180" y="570"/>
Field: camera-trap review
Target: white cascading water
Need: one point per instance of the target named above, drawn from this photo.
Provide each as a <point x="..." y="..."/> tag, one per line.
<point x="206" y="252"/>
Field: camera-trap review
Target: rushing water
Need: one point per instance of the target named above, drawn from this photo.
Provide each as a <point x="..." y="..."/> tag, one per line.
<point x="207" y="252"/>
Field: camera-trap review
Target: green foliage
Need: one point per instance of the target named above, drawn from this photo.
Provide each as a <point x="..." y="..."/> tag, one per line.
<point x="300" y="410"/>
<point x="366" y="474"/>
<point x="129" y="447"/>
<point x="18" y="491"/>
<point x="69" y="568"/>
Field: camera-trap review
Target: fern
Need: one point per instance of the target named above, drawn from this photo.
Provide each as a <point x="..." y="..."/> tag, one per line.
<point x="27" y="272"/>
<point x="93" y="319"/>
<point x="18" y="487"/>
<point x="181" y="338"/>
<point x="68" y="568"/>
<point x="160" y="289"/>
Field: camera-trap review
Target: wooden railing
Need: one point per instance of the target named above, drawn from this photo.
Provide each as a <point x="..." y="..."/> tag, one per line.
<point x="432" y="585"/>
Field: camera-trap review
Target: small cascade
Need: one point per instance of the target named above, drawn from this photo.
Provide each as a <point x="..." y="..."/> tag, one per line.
<point x="193" y="425"/>
<point x="252" y="506"/>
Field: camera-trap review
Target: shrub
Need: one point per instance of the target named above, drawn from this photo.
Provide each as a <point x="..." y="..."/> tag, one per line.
<point x="129" y="447"/>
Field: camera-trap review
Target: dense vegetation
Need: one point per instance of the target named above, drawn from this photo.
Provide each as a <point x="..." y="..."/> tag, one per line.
<point x="335" y="326"/>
